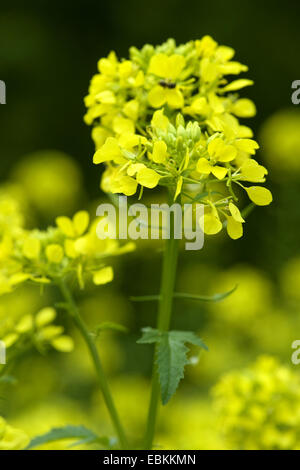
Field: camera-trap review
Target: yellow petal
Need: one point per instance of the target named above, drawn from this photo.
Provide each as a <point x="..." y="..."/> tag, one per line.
<point x="203" y="166"/>
<point x="147" y="177"/>
<point x="48" y="333"/>
<point x="224" y="53"/>
<point x="125" y="69"/>
<point x="247" y="145"/>
<point x="103" y="276"/>
<point x="131" y="109"/>
<point x="157" y="97"/>
<point x="227" y="154"/>
<point x="206" y="46"/>
<point x="233" y="68"/>
<point x="244" y="108"/>
<point x="174" y="98"/>
<point x="127" y="185"/>
<point x="259" y="195"/>
<point x="108" y="66"/>
<point x="54" y="253"/>
<point x="234" y="228"/>
<point x="235" y="213"/>
<point x="252" y="171"/>
<point x="123" y="125"/>
<point x="80" y="222"/>
<point x="200" y="106"/>
<point x="175" y="65"/>
<point x="32" y="248"/>
<point x="210" y="224"/>
<point x="159" y="120"/>
<point x="219" y="172"/>
<point x="159" y="154"/>
<point x="70" y="248"/>
<point x="215" y="146"/>
<point x="220" y="151"/>
<point x="10" y="339"/>
<point x="134" y="168"/>
<point x="45" y="316"/>
<point x="158" y="65"/>
<point x="238" y="84"/>
<point x="63" y="343"/>
<point x="25" y="324"/>
<point x="110" y="150"/>
<point x="106" y="97"/>
<point x="139" y="79"/>
<point x="66" y="226"/>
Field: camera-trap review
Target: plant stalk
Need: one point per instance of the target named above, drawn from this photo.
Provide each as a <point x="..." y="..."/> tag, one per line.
<point x="163" y="324"/>
<point x="82" y="327"/>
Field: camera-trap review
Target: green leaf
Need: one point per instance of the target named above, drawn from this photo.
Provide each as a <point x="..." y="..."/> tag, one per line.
<point x="189" y="337"/>
<point x="171" y="360"/>
<point x="205" y="298"/>
<point x="185" y="295"/>
<point x="67" y="432"/>
<point x="150" y="335"/>
<point x="109" y="325"/>
<point x="171" y="356"/>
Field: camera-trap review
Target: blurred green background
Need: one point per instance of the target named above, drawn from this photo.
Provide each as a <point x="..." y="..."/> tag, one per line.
<point x="48" y="53"/>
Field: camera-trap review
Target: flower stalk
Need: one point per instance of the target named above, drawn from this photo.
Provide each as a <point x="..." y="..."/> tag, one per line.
<point x="104" y="386"/>
<point x="168" y="280"/>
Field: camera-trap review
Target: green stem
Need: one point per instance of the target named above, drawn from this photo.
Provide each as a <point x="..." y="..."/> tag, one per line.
<point x="82" y="327"/>
<point x="163" y="324"/>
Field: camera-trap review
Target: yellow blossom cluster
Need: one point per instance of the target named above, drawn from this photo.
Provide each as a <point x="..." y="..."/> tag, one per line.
<point x="35" y="330"/>
<point x="259" y="406"/>
<point x="70" y="248"/>
<point x="168" y="116"/>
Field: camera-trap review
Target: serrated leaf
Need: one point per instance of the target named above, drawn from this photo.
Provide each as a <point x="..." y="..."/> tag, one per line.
<point x="150" y="335"/>
<point x="171" y="356"/>
<point x="66" y="432"/>
<point x="171" y="360"/>
<point x="189" y="337"/>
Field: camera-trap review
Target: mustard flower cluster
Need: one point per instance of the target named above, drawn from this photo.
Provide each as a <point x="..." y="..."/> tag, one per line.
<point x="259" y="407"/>
<point x="168" y="116"/>
<point x="34" y="330"/>
<point x="71" y="248"/>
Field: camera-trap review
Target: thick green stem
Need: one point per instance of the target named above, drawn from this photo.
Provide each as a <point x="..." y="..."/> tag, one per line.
<point x="73" y="310"/>
<point x="163" y="324"/>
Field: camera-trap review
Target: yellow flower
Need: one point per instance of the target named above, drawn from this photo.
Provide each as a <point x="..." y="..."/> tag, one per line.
<point x="218" y="151"/>
<point x="75" y="227"/>
<point x="168" y="68"/>
<point x="259" y="406"/>
<point x="149" y="147"/>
